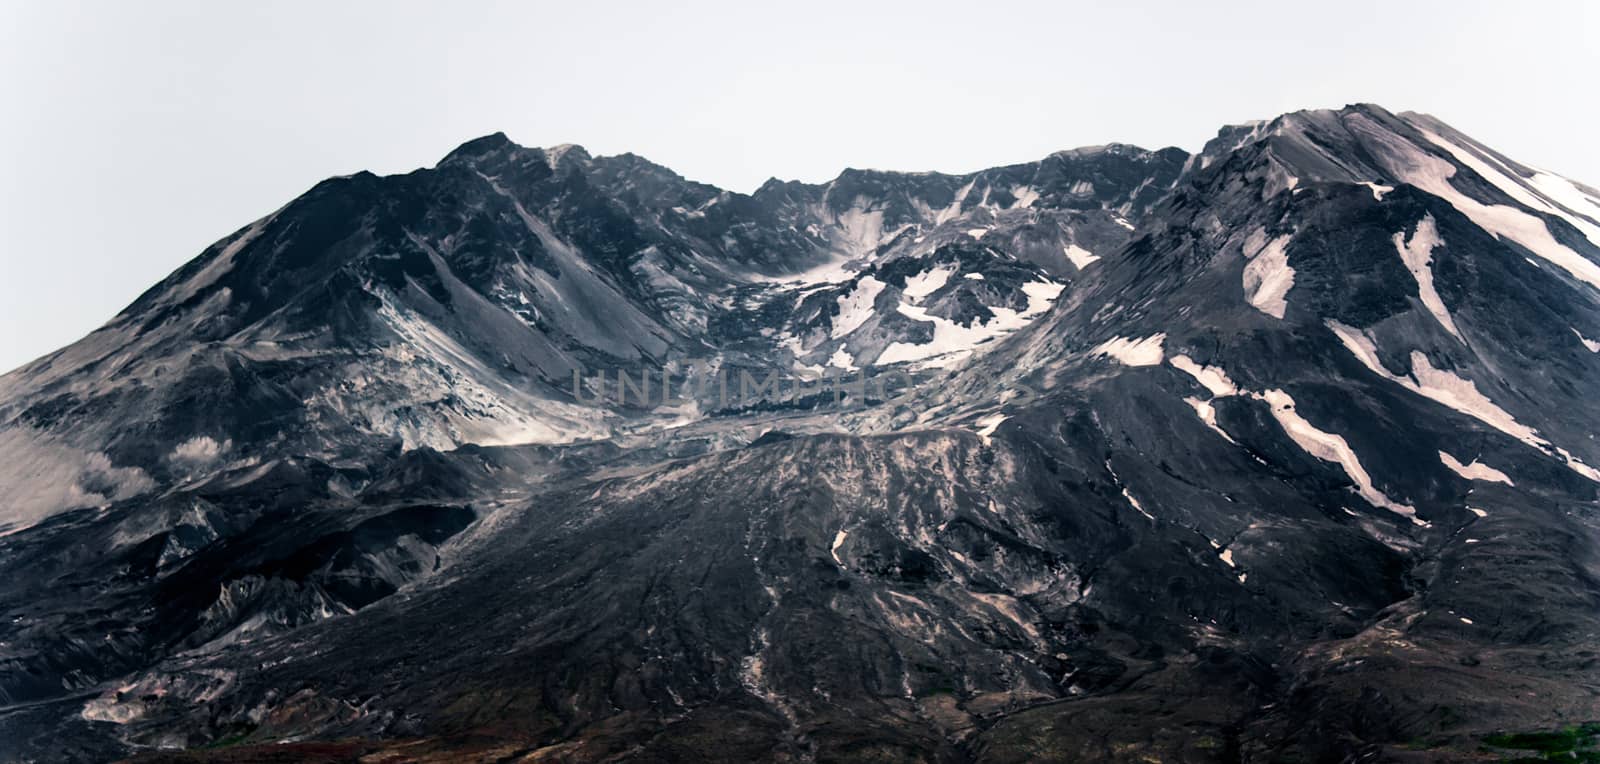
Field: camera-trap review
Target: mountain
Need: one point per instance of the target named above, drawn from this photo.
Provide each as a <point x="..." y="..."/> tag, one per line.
<point x="1280" y="451"/>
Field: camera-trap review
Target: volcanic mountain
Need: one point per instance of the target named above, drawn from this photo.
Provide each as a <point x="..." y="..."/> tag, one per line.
<point x="1280" y="451"/>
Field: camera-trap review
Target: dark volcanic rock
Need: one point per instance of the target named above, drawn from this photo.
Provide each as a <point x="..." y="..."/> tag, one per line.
<point x="1280" y="452"/>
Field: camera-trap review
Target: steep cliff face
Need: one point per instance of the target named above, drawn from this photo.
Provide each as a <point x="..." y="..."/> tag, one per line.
<point x="1283" y="450"/>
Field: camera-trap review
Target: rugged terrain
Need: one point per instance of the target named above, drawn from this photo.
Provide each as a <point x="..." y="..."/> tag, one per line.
<point x="1283" y="451"/>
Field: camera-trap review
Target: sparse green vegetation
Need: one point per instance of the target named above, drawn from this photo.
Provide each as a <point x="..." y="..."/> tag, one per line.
<point x="1576" y="743"/>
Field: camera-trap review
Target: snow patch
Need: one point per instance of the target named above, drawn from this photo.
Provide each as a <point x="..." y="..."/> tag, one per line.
<point x="1214" y="379"/>
<point x="1577" y="466"/>
<point x="927" y="282"/>
<point x="1594" y="347"/>
<point x="987" y="425"/>
<point x="1565" y="193"/>
<point x="833" y="271"/>
<point x="1454" y="392"/>
<point x="953" y="210"/>
<point x="1378" y="190"/>
<point x="1417" y="253"/>
<point x="1268" y="277"/>
<point x="856" y="307"/>
<point x="1141" y="352"/>
<point x="952" y="340"/>
<point x="1410" y="164"/>
<point x="1502" y="178"/>
<point x="1025" y="195"/>
<point x="1079" y="256"/>
<point x="1439" y="385"/>
<point x="1474" y="470"/>
<point x="1330" y="447"/>
<point x="838" y="541"/>
<point x="1136" y="505"/>
<point x="1208" y="415"/>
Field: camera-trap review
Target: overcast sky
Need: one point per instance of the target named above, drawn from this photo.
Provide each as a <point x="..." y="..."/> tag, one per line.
<point x="134" y="134"/>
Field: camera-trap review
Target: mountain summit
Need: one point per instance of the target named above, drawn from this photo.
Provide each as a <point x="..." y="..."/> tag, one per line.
<point x="1279" y="451"/>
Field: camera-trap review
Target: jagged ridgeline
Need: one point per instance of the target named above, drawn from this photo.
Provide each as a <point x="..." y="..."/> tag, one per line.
<point x="1280" y="451"/>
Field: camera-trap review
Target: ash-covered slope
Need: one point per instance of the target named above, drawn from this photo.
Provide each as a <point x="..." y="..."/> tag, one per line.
<point x="1283" y="451"/>
<point x="454" y="305"/>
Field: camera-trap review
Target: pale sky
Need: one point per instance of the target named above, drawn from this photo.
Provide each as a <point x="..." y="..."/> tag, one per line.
<point x="135" y="134"/>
